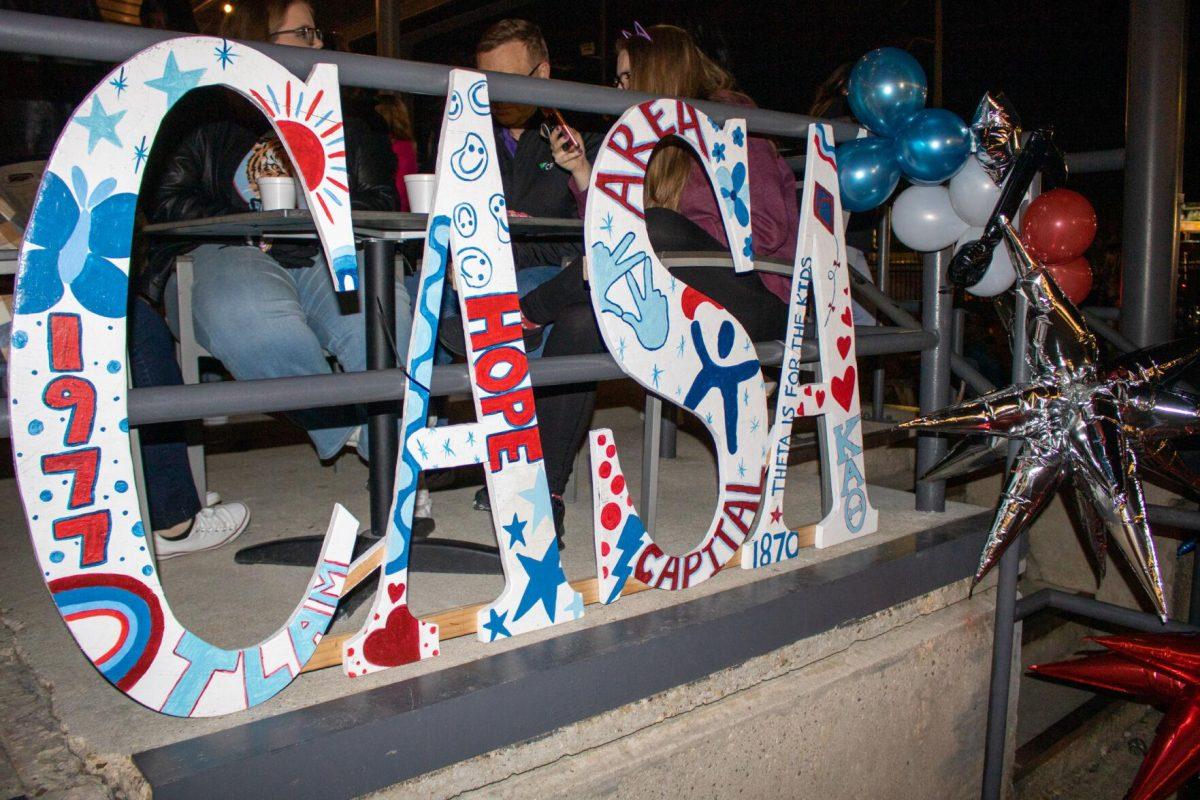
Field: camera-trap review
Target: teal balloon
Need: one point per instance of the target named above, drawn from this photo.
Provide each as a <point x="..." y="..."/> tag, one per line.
<point x="867" y="172"/>
<point x="932" y="146"/>
<point x="886" y="86"/>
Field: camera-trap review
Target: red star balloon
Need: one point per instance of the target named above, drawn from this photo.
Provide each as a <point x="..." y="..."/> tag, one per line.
<point x="1164" y="671"/>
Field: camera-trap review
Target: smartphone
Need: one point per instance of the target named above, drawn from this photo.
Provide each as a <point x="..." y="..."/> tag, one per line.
<point x="556" y="119"/>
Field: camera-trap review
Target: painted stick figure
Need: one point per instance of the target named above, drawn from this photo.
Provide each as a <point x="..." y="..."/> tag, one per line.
<point x="724" y="379"/>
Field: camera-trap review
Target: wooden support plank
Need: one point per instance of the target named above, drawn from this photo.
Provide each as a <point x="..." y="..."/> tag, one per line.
<point x="461" y="621"/>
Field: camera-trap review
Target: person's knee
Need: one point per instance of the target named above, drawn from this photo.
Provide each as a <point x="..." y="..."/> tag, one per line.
<point x="575" y="332"/>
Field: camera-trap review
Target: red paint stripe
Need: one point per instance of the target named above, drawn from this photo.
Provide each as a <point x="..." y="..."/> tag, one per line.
<point x="340" y="186"/>
<point x="338" y="154"/>
<point x="330" y="131"/>
<point x="104" y="612"/>
<point x="287" y="103"/>
<point x="321" y="200"/>
<point x="262" y="103"/>
<point x="313" y="105"/>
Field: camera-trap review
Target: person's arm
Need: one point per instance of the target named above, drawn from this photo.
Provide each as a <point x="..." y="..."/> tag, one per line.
<point x="578" y="163"/>
<point x="185" y="189"/>
<point x="372" y="167"/>
<point x="770" y="222"/>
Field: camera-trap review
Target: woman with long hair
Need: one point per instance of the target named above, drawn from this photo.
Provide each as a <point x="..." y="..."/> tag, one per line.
<point x="681" y="215"/>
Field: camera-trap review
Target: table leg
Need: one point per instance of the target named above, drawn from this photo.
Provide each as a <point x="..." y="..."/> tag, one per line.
<point x="379" y="299"/>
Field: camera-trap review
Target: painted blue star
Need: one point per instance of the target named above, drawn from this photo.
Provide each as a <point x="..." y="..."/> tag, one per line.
<point x="119" y="83"/>
<point x="538" y="496"/>
<point x="225" y="53"/>
<point x="747" y="345"/>
<point x="621" y="349"/>
<point x="100" y="125"/>
<point x="655" y="374"/>
<point x="672" y="284"/>
<point x="175" y="83"/>
<point x="495" y="625"/>
<point x="754" y="425"/>
<point x="446" y="449"/>
<point x="741" y="468"/>
<point x="708" y="418"/>
<point x="139" y="154"/>
<point x="745" y="397"/>
<point x="678" y="391"/>
<point x="516" y="529"/>
<point x="471" y="438"/>
<point x="545" y="575"/>
<point x="575" y="607"/>
<point x="682" y="346"/>
<point x="607" y="227"/>
<point x="421" y="449"/>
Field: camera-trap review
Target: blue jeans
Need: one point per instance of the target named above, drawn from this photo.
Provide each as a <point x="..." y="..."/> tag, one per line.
<point x="263" y="320"/>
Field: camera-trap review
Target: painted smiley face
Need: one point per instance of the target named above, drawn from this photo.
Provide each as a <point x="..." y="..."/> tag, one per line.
<point x="477" y="95"/>
<point x="455" y="107"/>
<point x="499" y="208"/>
<point x="475" y="267"/>
<point x="469" y="161"/>
<point x="465" y="220"/>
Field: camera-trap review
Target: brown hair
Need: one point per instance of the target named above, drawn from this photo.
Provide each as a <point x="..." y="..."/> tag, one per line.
<point x="253" y="20"/>
<point x="394" y="111"/>
<point x="670" y="64"/>
<point x="515" y="30"/>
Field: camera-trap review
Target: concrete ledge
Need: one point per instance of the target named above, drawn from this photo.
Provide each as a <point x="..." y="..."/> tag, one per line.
<point x="380" y="737"/>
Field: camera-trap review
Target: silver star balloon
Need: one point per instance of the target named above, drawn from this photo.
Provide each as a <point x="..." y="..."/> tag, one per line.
<point x="1085" y="427"/>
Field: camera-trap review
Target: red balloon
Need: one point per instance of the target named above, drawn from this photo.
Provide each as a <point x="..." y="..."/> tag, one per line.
<point x="1074" y="278"/>
<point x="1059" y="226"/>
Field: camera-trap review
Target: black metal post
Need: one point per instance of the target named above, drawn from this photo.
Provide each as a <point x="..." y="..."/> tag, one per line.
<point x="883" y="250"/>
<point x="1153" y="163"/>
<point x="379" y="299"/>
<point x="1003" y="634"/>
<point x="937" y="308"/>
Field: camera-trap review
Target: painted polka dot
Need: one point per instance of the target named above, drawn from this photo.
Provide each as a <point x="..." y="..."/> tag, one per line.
<point x="36" y="426"/>
<point x="139" y="529"/>
<point x="605" y="549"/>
<point x="121" y="486"/>
<point x="433" y="628"/>
<point x="114" y="367"/>
<point x="610" y="451"/>
<point x="124" y="426"/>
<point x="610" y="516"/>
<point x="604" y="571"/>
<point x="20" y="339"/>
<point x="46" y="495"/>
<point x="605" y="469"/>
<point x="147" y="570"/>
<point x="629" y="501"/>
<point x="435" y="652"/>
<point x="57" y="556"/>
<point x="601" y="439"/>
<point x="618" y="484"/>
<point x="350" y="652"/>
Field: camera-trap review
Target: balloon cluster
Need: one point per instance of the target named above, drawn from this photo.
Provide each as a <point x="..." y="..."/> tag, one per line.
<point x="886" y="92"/>
<point x="1058" y="228"/>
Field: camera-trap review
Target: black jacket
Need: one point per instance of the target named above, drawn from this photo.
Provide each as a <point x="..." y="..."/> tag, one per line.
<point x="191" y="174"/>
<point x="535" y="185"/>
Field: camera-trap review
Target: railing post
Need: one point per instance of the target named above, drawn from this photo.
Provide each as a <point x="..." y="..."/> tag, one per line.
<point x="883" y="244"/>
<point x="1153" y="164"/>
<point x="937" y="308"/>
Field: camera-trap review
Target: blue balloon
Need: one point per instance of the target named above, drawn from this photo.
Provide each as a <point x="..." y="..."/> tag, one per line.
<point x="932" y="146"/>
<point x="867" y="172"/>
<point x="886" y="86"/>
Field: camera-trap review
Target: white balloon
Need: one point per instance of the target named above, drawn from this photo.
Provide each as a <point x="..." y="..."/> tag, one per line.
<point x="973" y="193"/>
<point x="924" y="220"/>
<point x="1000" y="274"/>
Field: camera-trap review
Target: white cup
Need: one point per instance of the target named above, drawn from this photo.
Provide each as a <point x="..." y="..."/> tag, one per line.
<point x="420" y="191"/>
<point x="277" y="193"/>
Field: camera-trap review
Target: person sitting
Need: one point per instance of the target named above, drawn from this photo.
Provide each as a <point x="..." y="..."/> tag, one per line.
<point x="267" y="312"/>
<point x="681" y="215"/>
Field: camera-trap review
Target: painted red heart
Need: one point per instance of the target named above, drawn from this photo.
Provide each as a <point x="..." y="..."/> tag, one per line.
<point x="843" y="388"/>
<point x="846" y="289"/>
<point x="847" y="319"/>
<point x="843" y="345"/>
<point x="808" y="390"/>
<point x="398" y="642"/>
<point x="395" y="592"/>
<point x="820" y="397"/>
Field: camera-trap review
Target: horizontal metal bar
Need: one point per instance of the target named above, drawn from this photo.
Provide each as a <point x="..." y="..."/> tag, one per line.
<point x="886" y="306"/>
<point x="75" y="39"/>
<point x="1183" y="518"/>
<point x="175" y="403"/>
<point x="1098" y="610"/>
<point x="1096" y="161"/>
<point x="1107" y="313"/>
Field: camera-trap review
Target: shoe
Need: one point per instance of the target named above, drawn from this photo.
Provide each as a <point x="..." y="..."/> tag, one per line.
<point x="211" y="528"/>
<point x="452" y="336"/>
<point x="560" y="512"/>
<point x="423" y="523"/>
<point x="482" y="501"/>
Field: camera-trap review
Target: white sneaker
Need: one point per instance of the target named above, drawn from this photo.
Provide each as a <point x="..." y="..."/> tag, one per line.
<point x="424" y="504"/>
<point x="355" y="435"/>
<point x="211" y="528"/>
